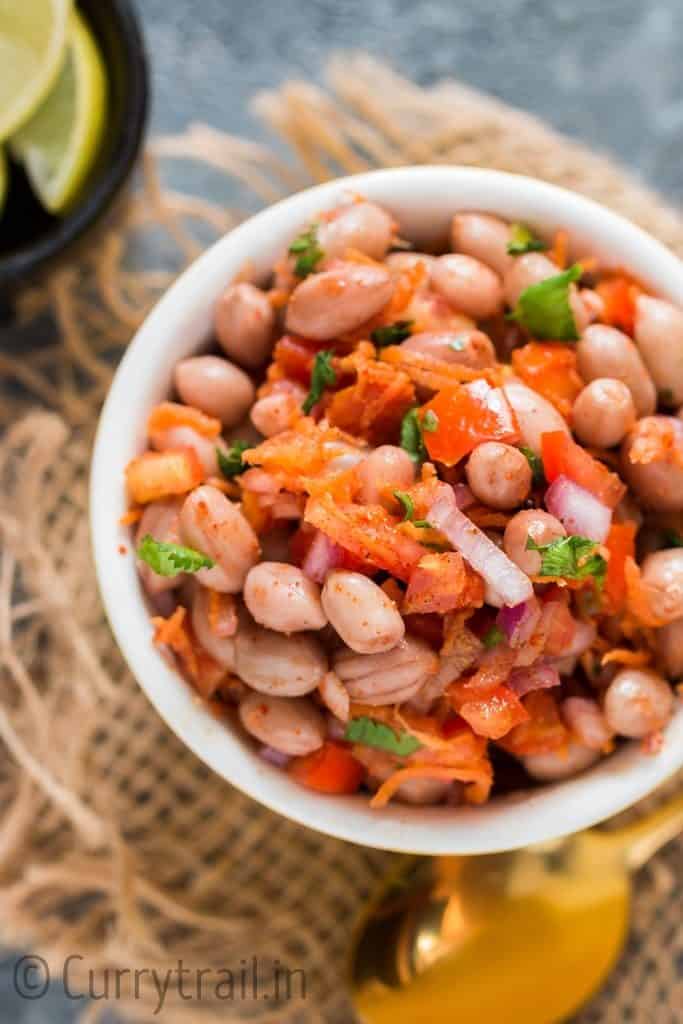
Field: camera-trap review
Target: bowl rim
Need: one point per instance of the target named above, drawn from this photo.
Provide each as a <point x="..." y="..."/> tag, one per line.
<point x="548" y="812"/>
<point x="17" y="265"/>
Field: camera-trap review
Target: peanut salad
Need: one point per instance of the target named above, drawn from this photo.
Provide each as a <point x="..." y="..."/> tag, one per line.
<point x="416" y="522"/>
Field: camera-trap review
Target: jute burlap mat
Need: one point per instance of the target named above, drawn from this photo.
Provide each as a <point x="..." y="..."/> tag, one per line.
<point x="117" y="845"/>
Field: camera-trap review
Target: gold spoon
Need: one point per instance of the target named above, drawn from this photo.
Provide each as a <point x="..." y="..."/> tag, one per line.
<point x="502" y="938"/>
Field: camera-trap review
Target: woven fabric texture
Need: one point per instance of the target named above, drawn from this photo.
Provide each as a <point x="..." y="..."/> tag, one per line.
<point x="116" y="843"/>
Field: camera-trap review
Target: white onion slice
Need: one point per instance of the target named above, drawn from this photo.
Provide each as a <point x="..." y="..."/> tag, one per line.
<point x="489" y="561"/>
<point x="578" y="510"/>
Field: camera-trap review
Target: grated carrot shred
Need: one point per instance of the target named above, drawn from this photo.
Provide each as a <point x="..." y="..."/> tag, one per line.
<point x="133" y="515"/>
<point x="624" y="656"/>
<point x="167" y="630"/>
<point x="169" y="415"/>
<point x="559" y="253"/>
<point x="656" y="441"/>
<point x="435" y="374"/>
<point x="476" y="775"/>
<point x="226" y="486"/>
<point x="278" y="297"/>
<point x="352" y="255"/>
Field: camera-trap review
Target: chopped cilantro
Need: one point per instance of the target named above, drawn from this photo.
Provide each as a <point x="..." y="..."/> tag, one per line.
<point x="411" y="436"/>
<point x="307" y="251"/>
<point x="412" y="429"/>
<point x="536" y="464"/>
<point x="171" y="559"/>
<point x="377" y="734"/>
<point x="572" y="558"/>
<point x="492" y="637"/>
<point x="522" y="239"/>
<point x="409" y="510"/>
<point x="322" y="375"/>
<point x="430" y="422"/>
<point x="230" y="462"/>
<point x="673" y="539"/>
<point x="544" y="309"/>
<point x="392" y="334"/>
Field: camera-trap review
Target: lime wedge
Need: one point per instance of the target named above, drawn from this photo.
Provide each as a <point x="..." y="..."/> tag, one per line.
<point x="59" y="144"/>
<point x="33" y="38"/>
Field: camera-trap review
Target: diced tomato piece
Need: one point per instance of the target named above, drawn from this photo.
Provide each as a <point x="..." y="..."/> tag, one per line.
<point x="550" y="369"/>
<point x="453" y="726"/>
<point x="200" y="668"/>
<point x="466" y="417"/>
<point x="495" y="715"/>
<point x="619" y="295"/>
<point x="295" y="357"/>
<point x="621" y="545"/>
<point x="374" y="406"/>
<point x="543" y="732"/>
<point x="443" y="583"/>
<point x="564" y="457"/>
<point x="558" y="625"/>
<point x="169" y="415"/>
<point x="428" y="627"/>
<point x="333" y="769"/>
<point x="157" y="475"/>
<point x="493" y="669"/>
<point x="368" y="532"/>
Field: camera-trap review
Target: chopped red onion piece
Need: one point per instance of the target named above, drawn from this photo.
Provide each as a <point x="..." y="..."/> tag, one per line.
<point x="274" y="757"/>
<point x="463" y="496"/>
<point x="322" y="556"/>
<point x="536" y="677"/>
<point x="489" y="561"/>
<point x="519" y="622"/>
<point x="583" y="639"/>
<point x="578" y="510"/>
<point x="336" y="730"/>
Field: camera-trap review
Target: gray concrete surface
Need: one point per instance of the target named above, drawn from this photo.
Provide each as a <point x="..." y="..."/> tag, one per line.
<point x="606" y="71"/>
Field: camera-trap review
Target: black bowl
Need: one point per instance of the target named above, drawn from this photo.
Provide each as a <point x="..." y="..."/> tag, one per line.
<point x="31" y="238"/>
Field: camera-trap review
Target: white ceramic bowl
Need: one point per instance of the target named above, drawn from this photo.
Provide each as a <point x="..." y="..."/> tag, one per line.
<point x="423" y="200"/>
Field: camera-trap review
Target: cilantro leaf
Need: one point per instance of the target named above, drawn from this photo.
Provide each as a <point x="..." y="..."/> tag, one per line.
<point x="411" y="436"/>
<point x="544" y="310"/>
<point x="430" y="422"/>
<point x="409" y="510"/>
<point x="392" y="334"/>
<point x="322" y="375"/>
<point x="171" y="559"/>
<point x="492" y="637"/>
<point x="522" y="239"/>
<point x="377" y="734"/>
<point x="307" y="251"/>
<point x="230" y="462"/>
<point x="573" y="558"/>
<point x="673" y="539"/>
<point x="536" y="464"/>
